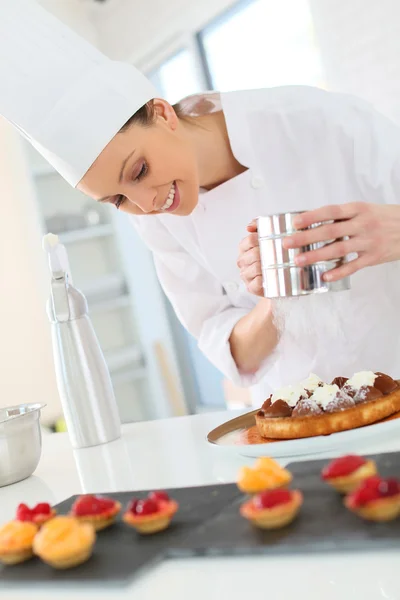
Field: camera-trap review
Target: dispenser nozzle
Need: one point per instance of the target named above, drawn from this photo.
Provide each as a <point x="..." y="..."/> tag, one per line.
<point x="57" y="256"/>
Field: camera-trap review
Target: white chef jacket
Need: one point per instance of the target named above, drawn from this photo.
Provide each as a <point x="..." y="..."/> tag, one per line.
<point x="304" y="148"/>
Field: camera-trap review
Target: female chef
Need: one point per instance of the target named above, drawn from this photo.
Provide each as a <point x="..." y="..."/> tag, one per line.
<point x="198" y="176"/>
<point x="195" y="176"/>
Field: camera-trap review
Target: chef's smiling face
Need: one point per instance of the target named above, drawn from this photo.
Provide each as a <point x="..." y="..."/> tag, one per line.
<point x="147" y="169"/>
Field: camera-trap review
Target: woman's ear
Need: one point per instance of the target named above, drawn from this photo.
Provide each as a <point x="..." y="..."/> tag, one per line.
<point x="164" y="112"/>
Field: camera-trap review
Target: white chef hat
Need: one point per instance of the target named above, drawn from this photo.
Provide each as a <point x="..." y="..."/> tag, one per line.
<point x="64" y="96"/>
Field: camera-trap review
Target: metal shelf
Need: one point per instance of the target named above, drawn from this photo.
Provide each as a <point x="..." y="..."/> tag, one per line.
<point x="123" y="358"/>
<point x="105" y="288"/>
<point x="86" y="233"/>
<point x="129" y="376"/>
<point x="119" y="302"/>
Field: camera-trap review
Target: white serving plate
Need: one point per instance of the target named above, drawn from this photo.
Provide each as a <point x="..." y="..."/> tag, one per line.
<point x="227" y="437"/>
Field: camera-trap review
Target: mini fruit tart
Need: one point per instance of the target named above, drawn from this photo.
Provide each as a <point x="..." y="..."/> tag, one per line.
<point x="64" y="542"/>
<point x="272" y="509"/>
<point x="347" y="472"/>
<point x="16" y="540"/>
<point x="375" y="499"/>
<point x="97" y="510"/>
<point x="265" y="475"/>
<point x="39" y="514"/>
<point x="152" y="514"/>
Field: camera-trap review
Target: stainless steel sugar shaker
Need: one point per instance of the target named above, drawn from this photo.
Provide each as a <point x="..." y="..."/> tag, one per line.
<point x="281" y="277"/>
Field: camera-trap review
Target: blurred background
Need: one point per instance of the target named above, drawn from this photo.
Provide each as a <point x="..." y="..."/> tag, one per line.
<point x="184" y="46"/>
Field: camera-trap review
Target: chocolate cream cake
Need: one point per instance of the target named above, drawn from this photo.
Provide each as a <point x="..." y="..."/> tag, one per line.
<point x="312" y="407"/>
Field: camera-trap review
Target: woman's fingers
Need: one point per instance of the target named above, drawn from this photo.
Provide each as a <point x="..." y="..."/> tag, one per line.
<point x="252" y="227"/>
<point x="256" y="287"/>
<point x="249" y="242"/>
<point x="332" y="251"/>
<point x="248" y="258"/>
<point x="251" y="272"/>
<point x="335" y="212"/>
<point x="249" y="261"/>
<point x="348" y="268"/>
<point x="369" y="231"/>
<point x="323" y="233"/>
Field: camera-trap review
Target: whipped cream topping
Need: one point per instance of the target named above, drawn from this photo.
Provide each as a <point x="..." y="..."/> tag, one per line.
<point x="361" y="379"/>
<point x="291" y="394"/>
<point x="323" y="395"/>
<point x="312" y="382"/>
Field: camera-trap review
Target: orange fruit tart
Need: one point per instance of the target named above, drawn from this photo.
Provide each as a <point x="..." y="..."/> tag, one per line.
<point x="64" y="542"/>
<point x="39" y="514"/>
<point x="152" y="514"/>
<point x="97" y="510"/>
<point x="265" y="475"/>
<point x="16" y="540"/>
<point x="375" y="499"/>
<point x="347" y="472"/>
<point x="272" y="509"/>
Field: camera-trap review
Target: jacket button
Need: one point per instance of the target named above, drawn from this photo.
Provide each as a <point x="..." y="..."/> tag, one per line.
<point x="257" y="182"/>
<point x="231" y="286"/>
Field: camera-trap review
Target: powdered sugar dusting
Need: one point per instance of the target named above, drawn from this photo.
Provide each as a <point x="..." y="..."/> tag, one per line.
<point x="297" y="314"/>
<point x="307" y="326"/>
<point x="361" y="395"/>
<point x="342" y="401"/>
<point x="307" y="407"/>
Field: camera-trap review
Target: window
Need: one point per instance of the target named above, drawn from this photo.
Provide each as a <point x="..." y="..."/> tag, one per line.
<point x="177" y="77"/>
<point x="262" y="43"/>
<point x="257" y="43"/>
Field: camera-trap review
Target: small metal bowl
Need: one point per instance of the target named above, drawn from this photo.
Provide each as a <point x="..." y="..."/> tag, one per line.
<point x="281" y="276"/>
<point x="20" y="442"/>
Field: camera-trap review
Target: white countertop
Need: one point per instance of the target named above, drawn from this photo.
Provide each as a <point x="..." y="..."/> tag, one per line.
<point x="173" y="453"/>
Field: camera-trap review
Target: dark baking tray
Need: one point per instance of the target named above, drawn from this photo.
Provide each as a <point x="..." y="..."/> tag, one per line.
<point x="323" y="524"/>
<point x="208" y="524"/>
<point x="120" y="552"/>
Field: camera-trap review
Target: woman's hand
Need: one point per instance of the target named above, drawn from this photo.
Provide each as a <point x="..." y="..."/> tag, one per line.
<point x="373" y="232"/>
<point x="249" y="261"/>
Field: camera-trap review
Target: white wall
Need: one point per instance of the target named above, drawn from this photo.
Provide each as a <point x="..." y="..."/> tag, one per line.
<point x="138" y="29"/>
<point x="26" y="360"/>
<point x="359" y="39"/>
<point x="74" y="14"/>
<point x="360" y="46"/>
